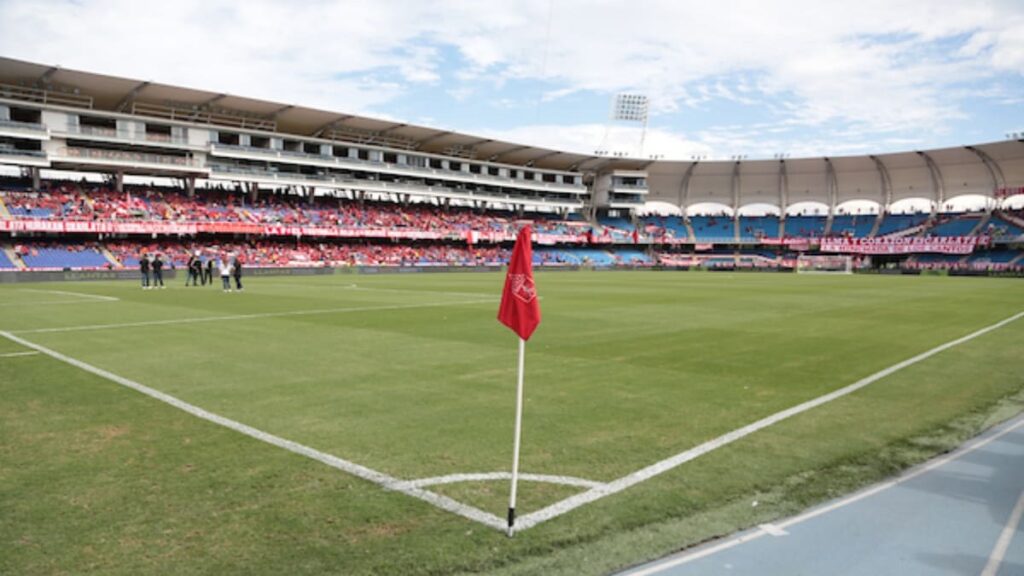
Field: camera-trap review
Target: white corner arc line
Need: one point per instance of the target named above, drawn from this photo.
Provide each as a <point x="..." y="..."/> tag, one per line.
<point x="488" y="476"/>
<point x="1005" y="537"/>
<point x="78" y="294"/>
<point x="19" y="354"/>
<point x="648" y="472"/>
<point x="386" y="481"/>
<point x="698" y="553"/>
<point x="249" y="316"/>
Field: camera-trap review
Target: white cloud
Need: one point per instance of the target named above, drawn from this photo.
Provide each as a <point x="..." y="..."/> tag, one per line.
<point x="880" y="67"/>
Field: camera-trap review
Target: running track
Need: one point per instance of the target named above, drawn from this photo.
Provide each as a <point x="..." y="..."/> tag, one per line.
<point x="958" y="514"/>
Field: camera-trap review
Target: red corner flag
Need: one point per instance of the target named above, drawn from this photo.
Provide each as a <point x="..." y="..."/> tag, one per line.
<point x="520" y="309"/>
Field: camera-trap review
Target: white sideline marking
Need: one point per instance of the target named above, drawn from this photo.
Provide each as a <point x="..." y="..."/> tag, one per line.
<point x="620" y="484"/>
<point x="485" y="476"/>
<point x="18" y="354"/>
<point x="379" y="478"/>
<point x="78" y="294"/>
<point x="1003" y="543"/>
<point x="51" y="303"/>
<point x="248" y="316"/>
<point x="686" y="558"/>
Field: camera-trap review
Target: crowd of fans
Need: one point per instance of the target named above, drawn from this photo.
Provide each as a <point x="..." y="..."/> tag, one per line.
<point x="266" y="253"/>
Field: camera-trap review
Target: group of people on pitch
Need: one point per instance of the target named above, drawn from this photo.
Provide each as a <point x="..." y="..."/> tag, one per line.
<point x="151" y="268"/>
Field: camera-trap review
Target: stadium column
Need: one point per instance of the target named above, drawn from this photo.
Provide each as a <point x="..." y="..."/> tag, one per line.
<point x="34" y="171"/>
<point x="119" y="182"/>
<point x="254" y="192"/>
<point x="190" y="186"/>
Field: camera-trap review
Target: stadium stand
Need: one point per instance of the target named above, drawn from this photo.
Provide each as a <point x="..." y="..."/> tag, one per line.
<point x="893" y="223"/>
<point x="853" y="226"/>
<point x="954" y="225"/>
<point x="713" y="228"/>
<point x="753" y="228"/>
<point x="805" y="226"/>
<point x="54" y="256"/>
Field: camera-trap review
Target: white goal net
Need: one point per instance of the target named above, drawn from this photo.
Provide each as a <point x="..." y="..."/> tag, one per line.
<point x="824" y="264"/>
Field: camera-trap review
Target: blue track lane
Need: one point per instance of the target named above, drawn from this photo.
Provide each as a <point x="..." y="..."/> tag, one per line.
<point x="942" y="518"/>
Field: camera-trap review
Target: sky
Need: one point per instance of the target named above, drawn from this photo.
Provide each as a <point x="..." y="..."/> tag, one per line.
<point x="726" y="78"/>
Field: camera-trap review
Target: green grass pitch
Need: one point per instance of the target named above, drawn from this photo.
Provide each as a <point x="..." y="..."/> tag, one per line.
<point x="412" y="376"/>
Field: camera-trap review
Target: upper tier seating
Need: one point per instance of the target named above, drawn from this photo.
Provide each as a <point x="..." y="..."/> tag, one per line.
<point x="852" y="226"/>
<point x="713" y="228"/>
<point x="893" y="223"/>
<point x="805" y="226"/>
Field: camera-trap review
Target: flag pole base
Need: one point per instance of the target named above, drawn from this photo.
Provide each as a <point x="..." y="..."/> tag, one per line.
<point x="511" y="521"/>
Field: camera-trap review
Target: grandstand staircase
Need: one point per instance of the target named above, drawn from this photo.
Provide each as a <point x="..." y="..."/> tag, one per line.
<point x="4" y="214"/>
<point x="1011" y="219"/>
<point x="877" y="226"/>
<point x="690" y="236"/>
<point x="1018" y="260"/>
<point x="14" y="258"/>
<point x="912" y="231"/>
<point x="982" y="224"/>
<point x="828" y="223"/>
<point x="110" y="257"/>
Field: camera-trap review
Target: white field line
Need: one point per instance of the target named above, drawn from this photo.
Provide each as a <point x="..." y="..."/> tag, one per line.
<point x="381" y="479"/>
<point x="487" y="476"/>
<point x="50" y="303"/>
<point x="686" y="558"/>
<point x="620" y="484"/>
<point x="78" y="294"/>
<point x="1005" y="537"/>
<point x="249" y="316"/>
<point x="19" y="354"/>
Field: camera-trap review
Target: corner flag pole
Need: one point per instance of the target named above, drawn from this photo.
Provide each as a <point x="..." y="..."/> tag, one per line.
<point x="515" y="445"/>
<point x="520" y="311"/>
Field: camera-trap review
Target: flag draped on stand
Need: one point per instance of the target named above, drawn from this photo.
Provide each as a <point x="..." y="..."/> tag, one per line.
<point x="520" y="311"/>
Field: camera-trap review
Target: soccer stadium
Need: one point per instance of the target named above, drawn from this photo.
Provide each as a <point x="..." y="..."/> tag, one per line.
<point x="242" y="336"/>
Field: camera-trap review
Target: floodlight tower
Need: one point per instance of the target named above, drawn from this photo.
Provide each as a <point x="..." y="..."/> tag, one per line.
<point x="628" y="107"/>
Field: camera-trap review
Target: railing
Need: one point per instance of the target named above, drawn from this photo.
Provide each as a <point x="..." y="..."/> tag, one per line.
<point x="35" y="126"/>
<point x="203" y="117"/>
<point x="44" y="96"/>
<point x="127" y="135"/>
<point x="125" y="156"/>
<point x="440" y="173"/>
<point x="387" y="186"/>
<point x="16" y="152"/>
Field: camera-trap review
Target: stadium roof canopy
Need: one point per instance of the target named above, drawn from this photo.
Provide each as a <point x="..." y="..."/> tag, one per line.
<point x="938" y="174"/>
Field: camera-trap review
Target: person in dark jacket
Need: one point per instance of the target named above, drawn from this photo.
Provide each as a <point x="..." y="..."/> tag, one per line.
<point x="144" y="269"/>
<point x="158" y="272"/>
<point x="208" y="274"/>
<point x="191" y="271"/>
<point x="236" y="271"/>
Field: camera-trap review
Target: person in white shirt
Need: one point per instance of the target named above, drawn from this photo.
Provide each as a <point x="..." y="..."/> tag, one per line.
<point x="225" y="273"/>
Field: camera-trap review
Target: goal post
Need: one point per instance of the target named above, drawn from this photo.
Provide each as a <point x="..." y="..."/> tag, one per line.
<point x="825" y="264"/>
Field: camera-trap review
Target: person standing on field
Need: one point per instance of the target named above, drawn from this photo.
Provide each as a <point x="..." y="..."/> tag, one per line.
<point x="208" y="275"/>
<point x="144" y="269"/>
<point x="236" y="271"/>
<point x="158" y="272"/>
<point x="225" y="273"/>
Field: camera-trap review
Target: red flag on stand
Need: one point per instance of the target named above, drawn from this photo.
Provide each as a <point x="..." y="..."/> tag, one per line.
<point x="520" y="308"/>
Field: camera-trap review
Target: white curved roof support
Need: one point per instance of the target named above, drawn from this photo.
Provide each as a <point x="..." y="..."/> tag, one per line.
<point x="735" y="188"/>
<point x="996" y="173"/>
<point x="938" y="186"/>
<point x="783" y="189"/>
<point x="885" y="181"/>
<point x="684" y="188"/>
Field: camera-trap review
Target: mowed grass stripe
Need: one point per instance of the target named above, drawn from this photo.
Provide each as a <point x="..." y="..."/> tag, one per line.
<point x="624" y="368"/>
